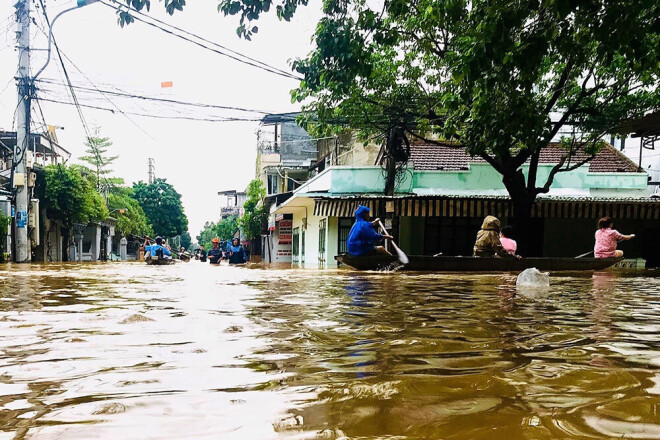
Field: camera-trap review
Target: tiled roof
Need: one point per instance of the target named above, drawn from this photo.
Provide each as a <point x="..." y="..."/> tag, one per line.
<point x="439" y="157"/>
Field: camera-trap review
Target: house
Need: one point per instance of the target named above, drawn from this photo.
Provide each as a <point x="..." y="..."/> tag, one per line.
<point x="444" y="195"/>
<point x="644" y="133"/>
<point x="285" y="155"/>
<point x="287" y="158"/>
<point x="233" y="203"/>
<point x="43" y="149"/>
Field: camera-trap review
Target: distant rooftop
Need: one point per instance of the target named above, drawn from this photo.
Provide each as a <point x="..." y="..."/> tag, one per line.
<point x="278" y="118"/>
<point x="447" y="158"/>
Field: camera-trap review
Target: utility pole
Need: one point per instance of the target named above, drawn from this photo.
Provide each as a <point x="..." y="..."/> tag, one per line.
<point x="22" y="200"/>
<point x="152" y="170"/>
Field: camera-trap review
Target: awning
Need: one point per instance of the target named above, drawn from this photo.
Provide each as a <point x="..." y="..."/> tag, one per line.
<point x="641" y="209"/>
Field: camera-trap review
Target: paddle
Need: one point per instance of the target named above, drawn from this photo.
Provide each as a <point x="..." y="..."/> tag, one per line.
<point x="403" y="258"/>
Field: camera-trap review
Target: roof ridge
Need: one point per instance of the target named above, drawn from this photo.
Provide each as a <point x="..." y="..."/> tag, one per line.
<point x="624" y="157"/>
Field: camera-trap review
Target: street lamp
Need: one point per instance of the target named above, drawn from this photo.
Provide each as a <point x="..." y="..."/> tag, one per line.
<point x="80" y="4"/>
<point x="121" y="211"/>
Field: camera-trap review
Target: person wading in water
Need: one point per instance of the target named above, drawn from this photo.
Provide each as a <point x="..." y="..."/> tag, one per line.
<point x="215" y="253"/>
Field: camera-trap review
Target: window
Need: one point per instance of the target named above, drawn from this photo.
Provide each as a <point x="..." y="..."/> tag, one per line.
<point x="302" y="247"/>
<point x="272" y="184"/>
<point x="345" y="225"/>
<point x="323" y="227"/>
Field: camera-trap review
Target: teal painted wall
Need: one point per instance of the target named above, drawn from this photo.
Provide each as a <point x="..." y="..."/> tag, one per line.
<point x="480" y="177"/>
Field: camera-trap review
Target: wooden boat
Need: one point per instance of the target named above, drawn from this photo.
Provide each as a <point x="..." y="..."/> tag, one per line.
<point x="155" y="261"/>
<point x="474" y="264"/>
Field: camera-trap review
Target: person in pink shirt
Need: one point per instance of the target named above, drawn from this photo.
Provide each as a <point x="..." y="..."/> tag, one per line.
<point x="508" y="243"/>
<point x="606" y="239"/>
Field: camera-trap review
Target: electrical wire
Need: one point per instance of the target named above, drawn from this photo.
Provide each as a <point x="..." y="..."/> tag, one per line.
<point x="96" y="88"/>
<point x="99" y="159"/>
<point x="146" y="115"/>
<point x="204" y="39"/>
<point x="257" y="64"/>
<point x="155" y="99"/>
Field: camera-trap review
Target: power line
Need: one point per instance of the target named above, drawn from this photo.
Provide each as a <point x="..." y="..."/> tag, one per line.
<point x="151" y="98"/>
<point x="256" y="64"/>
<point x="99" y="160"/>
<point x="108" y="99"/>
<point x="205" y="40"/>
<point x="155" y="116"/>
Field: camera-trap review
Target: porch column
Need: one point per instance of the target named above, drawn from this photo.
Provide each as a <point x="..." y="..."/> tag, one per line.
<point x="123" y="244"/>
<point x="79" y="243"/>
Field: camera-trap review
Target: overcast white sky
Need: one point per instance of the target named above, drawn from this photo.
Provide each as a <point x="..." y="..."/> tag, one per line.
<point x="198" y="158"/>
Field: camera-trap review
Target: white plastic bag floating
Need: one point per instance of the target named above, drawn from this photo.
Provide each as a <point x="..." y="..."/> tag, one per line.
<point x="532" y="277"/>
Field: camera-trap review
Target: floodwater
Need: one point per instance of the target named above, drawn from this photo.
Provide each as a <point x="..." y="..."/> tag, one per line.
<point x="129" y="351"/>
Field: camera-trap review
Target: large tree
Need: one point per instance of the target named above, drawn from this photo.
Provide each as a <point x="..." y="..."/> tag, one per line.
<point x="131" y="219"/>
<point x="206" y="235"/>
<point x="162" y="205"/>
<point x="70" y="198"/>
<point x="255" y="213"/>
<point x="226" y="228"/>
<point x="502" y="78"/>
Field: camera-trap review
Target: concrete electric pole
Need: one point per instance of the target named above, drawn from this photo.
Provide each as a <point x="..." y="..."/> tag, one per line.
<point x="152" y="170"/>
<point x="22" y="200"/>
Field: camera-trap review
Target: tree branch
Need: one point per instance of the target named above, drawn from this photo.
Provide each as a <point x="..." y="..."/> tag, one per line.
<point x="558" y="169"/>
<point x="559" y="87"/>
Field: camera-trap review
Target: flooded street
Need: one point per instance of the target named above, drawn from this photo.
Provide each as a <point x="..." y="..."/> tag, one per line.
<point x="130" y="351"/>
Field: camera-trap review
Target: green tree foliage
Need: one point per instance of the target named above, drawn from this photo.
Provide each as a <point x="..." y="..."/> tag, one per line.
<point x="124" y="16"/>
<point x="131" y="219"/>
<point x="206" y="235"/>
<point x="186" y="240"/>
<point x="70" y="198"/>
<point x="162" y="205"/>
<point x="500" y="78"/>
<point x="100" y="163"/>
<point x="255" y="215"/>
<point x="225" y="229"/>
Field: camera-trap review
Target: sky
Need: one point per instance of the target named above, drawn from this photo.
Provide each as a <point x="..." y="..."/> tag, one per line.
<point x="199" y="158"/>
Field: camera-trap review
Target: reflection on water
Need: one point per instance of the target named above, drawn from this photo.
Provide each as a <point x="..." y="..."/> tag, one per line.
<point x="190" y="351"/>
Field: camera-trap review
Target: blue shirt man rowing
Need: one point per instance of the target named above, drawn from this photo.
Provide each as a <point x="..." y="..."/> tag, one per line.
<point x="363" y="236"/>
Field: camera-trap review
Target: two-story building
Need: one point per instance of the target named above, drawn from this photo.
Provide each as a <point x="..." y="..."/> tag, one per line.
<point x="232" y="205"/>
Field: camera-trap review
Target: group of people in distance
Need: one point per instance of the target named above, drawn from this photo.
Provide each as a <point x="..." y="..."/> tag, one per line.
<point x="234" y="253"/>
<point x="493" y="240"/>
<point x="161" y="249"/>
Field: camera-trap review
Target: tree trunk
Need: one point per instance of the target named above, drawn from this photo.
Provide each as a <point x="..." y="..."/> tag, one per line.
<point x="522" y="216"/>
<point x="522" y="200"/>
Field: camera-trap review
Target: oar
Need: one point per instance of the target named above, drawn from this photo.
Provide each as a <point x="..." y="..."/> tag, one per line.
<point x="403" y="258"/>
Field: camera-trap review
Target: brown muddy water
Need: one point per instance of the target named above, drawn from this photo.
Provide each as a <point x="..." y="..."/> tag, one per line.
<point x="129" y="351"/>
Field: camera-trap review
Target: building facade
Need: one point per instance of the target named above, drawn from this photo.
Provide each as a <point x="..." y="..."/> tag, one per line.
<point x="444" y="195"/>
